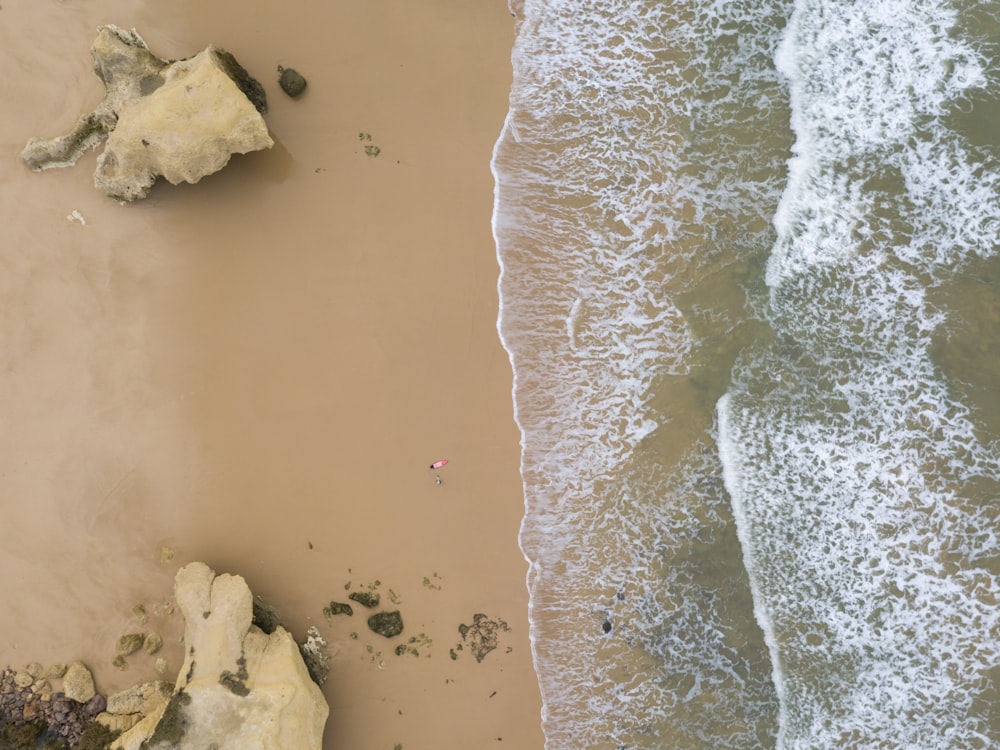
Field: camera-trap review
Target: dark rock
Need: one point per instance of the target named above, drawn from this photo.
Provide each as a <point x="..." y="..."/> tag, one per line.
<point x="265" y="616"/>
<point x="365" y="598"/>
<point x="94" y="706"/>
<point x="387" y="624"/>
<point x="338" y="608"/>
<point x="250" y="86"/>
<point x="96" y="737"/>
<point x="483" y="635"/>
<point x="291" y="82"/>
<point x="173" y="723"/>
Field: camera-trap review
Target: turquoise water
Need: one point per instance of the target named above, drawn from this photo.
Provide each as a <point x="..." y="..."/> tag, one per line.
<point x="749" y="291"/>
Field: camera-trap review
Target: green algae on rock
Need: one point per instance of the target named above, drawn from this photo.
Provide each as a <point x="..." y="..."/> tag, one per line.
<point x="291" y="81"/>
<point x="172" y="724"/>
<point x="368" y="599"/>
<point x="388" y="624"/>
<point x="338" y="608"/>
<point x="152" y="643"/>
<point x="130" y="643"/>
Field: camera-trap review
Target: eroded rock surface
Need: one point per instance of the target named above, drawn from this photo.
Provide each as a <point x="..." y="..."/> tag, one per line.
<point x="180" y="120"/>
<point x="238" y="687"/>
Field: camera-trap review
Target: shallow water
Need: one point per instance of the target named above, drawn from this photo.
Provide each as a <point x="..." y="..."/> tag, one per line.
<point x="787" y="211"/>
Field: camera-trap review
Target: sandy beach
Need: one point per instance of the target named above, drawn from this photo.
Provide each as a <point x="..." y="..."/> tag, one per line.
<point x="256" y="371"/>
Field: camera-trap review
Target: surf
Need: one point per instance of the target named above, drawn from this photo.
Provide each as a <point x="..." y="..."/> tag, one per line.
<point x="863" y="487"/>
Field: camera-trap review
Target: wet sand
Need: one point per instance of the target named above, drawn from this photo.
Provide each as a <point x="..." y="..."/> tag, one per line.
<point x="256" y="371"/>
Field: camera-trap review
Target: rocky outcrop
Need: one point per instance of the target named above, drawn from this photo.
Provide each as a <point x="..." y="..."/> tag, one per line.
<point x="180" y="120"/>
<point x="238" y="687"/>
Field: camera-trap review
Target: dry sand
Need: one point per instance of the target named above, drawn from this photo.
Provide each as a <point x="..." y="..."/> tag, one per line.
<point x="257" y="370"/>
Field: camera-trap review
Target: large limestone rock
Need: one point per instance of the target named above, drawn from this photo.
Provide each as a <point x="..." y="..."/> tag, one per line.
<point x="78" y="683"/>
<point x="180" y="120"/>
<point x="239" y="689"/>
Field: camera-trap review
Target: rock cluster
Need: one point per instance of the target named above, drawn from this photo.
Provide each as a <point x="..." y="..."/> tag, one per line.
<point x="28" y="700"/>
<point x="180" y="120"/>
<point x="238" y="687"/>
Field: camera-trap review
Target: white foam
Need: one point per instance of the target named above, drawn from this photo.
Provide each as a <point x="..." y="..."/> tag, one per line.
<point x="869" y="85"/>
<point x="611" y="195"/>
<point x="848" y="462"/>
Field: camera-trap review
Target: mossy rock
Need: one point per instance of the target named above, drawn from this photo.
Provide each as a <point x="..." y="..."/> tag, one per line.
<point x="172" y="725"/>
<point x="386" y="624"/>
<point x="96" y="736"/>
<point x="21" y="736"/>
<point x="265" y="616"/>
<point x="338" y="608"/>
<point x="130" y="643"/>
<point x="369" y="599"/>
<point x="291" y="81"/>
<point x="152" y="643"/>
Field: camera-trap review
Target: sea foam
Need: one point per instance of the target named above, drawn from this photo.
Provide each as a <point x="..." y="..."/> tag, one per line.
<point x="631" y="172"/>
<point x="861" y="487"/>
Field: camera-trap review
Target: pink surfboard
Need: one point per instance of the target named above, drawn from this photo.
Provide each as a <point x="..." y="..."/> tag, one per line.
<point x="439" y="464"/>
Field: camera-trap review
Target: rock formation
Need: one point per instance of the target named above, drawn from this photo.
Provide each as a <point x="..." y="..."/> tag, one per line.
<point x="78" y="683"/>
<point x="180" y="120"/>
<point x="238" y="688"/>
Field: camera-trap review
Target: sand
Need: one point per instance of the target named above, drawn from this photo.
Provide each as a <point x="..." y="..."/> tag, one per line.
<point x="256" y="371"/>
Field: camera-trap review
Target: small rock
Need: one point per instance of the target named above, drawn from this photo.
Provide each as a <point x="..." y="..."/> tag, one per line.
<point x="41" y="688"/>
<point x="56" y="671"/>
<point x="31" y="712"/>
<point x="140" y="613"/>
<point x="152" y="643"/>
<point x="265" y="616"/>
<point x="338" y="608"/>
<point x="161" y="666"/>
<point x="291" y="82"/>
<point x="23" y="679"/>
<point x="386" y="624"/>
<point x="130" y="643"/>
<point x="78" y="684"/>
<point x="34" y="669"/>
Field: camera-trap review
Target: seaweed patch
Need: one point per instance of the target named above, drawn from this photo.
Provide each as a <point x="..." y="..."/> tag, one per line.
<point x="481" y="637"/>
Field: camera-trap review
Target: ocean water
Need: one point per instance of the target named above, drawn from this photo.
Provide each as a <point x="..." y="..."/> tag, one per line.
<point x="750" y="292"/>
